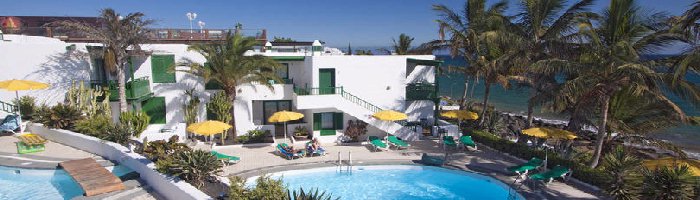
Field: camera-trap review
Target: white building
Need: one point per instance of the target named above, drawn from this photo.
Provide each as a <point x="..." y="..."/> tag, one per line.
<point x="327" y="87"/>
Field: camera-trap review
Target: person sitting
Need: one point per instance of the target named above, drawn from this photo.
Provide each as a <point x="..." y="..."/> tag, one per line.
<point x="315" y="147"/>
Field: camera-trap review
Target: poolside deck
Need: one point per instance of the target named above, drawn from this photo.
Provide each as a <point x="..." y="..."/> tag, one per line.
<point x="92" y="177"/>
<point x="258" y="160"/>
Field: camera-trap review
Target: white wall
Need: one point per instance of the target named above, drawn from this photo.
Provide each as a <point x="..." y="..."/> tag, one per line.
<point x="162" y="184"/>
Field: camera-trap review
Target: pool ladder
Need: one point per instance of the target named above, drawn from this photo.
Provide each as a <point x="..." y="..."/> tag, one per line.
<point x="348" y="164"/>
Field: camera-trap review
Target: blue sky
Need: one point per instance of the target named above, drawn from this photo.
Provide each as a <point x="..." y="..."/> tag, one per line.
<point x="359" y="22"/>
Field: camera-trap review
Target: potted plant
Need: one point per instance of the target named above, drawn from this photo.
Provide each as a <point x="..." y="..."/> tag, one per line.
<point x="301" y="133"/>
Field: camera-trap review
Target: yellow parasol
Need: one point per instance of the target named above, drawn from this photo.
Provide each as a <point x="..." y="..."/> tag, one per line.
<point x="693" y="165"/>
<point x="545" y="132"/>
<point x="390" y="115"/>
<point x="284" y="116"/>
<point x="460" y="115"/>
<point x="16" y="86"/>
<point x="208" y="128"/>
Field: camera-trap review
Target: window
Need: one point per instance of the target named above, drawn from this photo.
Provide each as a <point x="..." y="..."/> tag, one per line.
<point x="270" y="107"/>
<point x="155" y="108"/>
<point x="160" y="65"/>
<point x="328" y="122"/>
<point x="283" y="71"/>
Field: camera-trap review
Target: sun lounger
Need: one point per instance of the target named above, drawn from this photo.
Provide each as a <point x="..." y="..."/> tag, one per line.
<point x="530" y="165"/>
<point x="398" y="143"/>
<point x="9" y="124"/>
<point x="377" y="143"/>
<point x="449" y="141"/>
<point x="320" y="151"/>
<point x="466" y="140"/>
<point x="548" y="176"/>
<point x="226" y="159"/>
<point x="281" y="148"/>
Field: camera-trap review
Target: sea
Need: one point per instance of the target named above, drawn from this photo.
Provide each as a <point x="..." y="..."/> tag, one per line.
<point x="514" y="100"/>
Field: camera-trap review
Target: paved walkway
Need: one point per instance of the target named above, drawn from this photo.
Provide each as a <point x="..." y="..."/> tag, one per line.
<point x="48" y="159"/>
<point x="263" y="159"/>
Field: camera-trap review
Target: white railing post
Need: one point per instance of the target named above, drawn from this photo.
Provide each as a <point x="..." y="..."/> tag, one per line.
<point x="349" y="161"/>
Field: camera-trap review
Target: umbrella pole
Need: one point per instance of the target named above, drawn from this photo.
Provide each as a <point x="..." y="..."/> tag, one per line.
<point x="285" y="131"/>
<point x="19" y="113"/>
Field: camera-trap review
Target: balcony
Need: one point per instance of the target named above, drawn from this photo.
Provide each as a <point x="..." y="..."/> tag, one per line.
<point x="136" y="89"/>
<point x="420" y="91"/>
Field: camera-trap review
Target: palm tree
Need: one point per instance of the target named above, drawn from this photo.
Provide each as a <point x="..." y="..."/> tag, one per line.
<point x="476" y="34"/>
<point x="403" y="46"/>
<point x="545" y="29"/>
<point x="117" y="34"/>
<point x="230" y="67"/>
<point x="611" y="56"/>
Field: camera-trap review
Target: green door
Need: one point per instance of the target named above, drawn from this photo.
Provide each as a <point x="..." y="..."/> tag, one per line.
<point x="326" y="81"/>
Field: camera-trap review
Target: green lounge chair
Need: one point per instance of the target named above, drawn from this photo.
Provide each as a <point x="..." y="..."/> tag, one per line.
<point x="548" y="176"/>
<point x="449" y="141"/>
<point x="398" y="143"/>
<point x="281" y="148"/>
<point x="466" y="140"/>
<point x="377" y="143"/>
<point x="530" y="165"/>
<point x="226" y="159"/>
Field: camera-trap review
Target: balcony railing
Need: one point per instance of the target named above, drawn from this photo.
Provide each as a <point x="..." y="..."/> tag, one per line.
<point x="421" y="91"/>
<point x="135" y="89"/>
<point x="158" y="35"/>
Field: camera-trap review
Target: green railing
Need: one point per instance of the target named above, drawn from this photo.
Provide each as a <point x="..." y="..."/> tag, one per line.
<point x="420" y="91"/>
<point x="135" y="89"/>
<point x="346" y="95"/>
<point x="8" y="107"/>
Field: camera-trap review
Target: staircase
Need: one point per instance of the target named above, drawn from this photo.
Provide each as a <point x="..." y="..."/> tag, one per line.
<point x="338" y="98"/>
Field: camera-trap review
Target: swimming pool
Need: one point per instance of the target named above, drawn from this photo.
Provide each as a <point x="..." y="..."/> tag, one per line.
<point x="396" y="182"/>
<point x="19" y="183"/>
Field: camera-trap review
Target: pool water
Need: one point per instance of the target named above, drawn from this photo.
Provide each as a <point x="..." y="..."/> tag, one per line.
<point x="43" y="184"/>
<point x="397" y="182"/>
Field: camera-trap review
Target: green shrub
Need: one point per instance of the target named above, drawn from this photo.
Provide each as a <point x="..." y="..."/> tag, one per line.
<point x="119" y="133"/>
<point x="254" y="136"/>
<point x="97" y="126"/>
<point x="41" y="114"/>
<point x="137" y="121"/>
<point x="219" y="108"/>
<point x="268" y="188"/>
<point x="271" y="189"/>
<point x="27" y="105"/>
<point x="192" y="166"/>
<point x="62" y="116"/>
<point x="301" y="131"/>
<point x="622" y="168"/>
<point x="596" y="177"/>
<point x="159" y="149"/>
<point x="668" y="183"/>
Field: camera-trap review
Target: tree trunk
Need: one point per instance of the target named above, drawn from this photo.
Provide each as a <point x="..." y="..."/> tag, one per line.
<point x="530" y="109"/>
<point x="232" y="96"/>
<point x="463" y="101"/>
<point x="121" y="81"/>
<point x="601" y="132"/>
<point x="487" y="91"/>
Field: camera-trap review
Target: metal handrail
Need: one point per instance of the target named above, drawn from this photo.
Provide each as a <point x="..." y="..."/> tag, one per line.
<point x="8" y="107"/>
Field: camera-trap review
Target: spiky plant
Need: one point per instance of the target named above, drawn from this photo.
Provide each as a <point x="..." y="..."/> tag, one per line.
<point x="138" y="121"/>
<point x="623" y="170"/>
<point x="193" y="166"/>
<point x="669" y="183"/>
<point x="402" y="46"/>
<point x="220" y="106"/>
<point x="312" y="194"/>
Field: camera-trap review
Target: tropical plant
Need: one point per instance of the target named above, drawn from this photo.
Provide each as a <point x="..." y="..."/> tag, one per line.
<point x="231" y="67"/>
<point x="97" y="126"/>
<point x="478" y="34"/>
<point x="282" y="39"/>
<point x="219" y="107"/>
<point x="610" y="53"/>
<point x="312" y="194"/>
<point x="156" y="150"/>
<point x="623" y="169"/>
<point x="117" y="33"/>
<point x="254" y="136"/>
<point x="355" y="129"/>
<point x="192" y="166"/>
<point x="27" y="105"/>
<point x="42" y="114"/>
<point x="668" y="183"/>
<point x="544" y="28"/>
<point x="85" y="99"/>
<point x="403" y="45"/>
<point x="62" y="116"/>
<point x="137" y="121"/>
<point x="191" y="107"/>
<point x="119" y="133"/>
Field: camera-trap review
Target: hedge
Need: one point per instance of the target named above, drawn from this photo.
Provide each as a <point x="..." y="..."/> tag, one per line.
<point x="581" y="172"/>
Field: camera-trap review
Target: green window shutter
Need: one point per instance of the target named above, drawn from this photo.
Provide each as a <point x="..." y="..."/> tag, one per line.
<point x="317" y="121"/>
<point x="338" y="121"/>
<point x="327" y="132"/>
<point x="159" y="68"/>
<point x="155" y="108"/>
